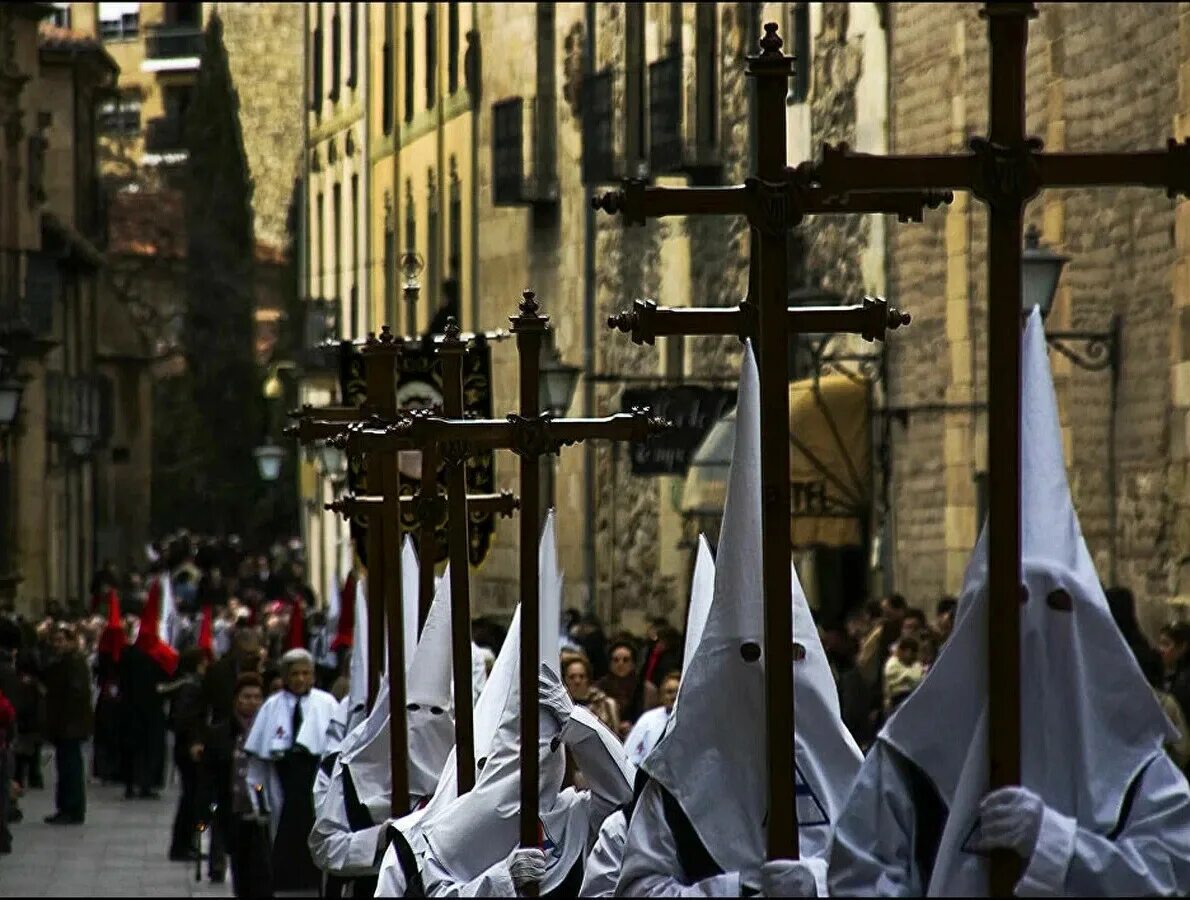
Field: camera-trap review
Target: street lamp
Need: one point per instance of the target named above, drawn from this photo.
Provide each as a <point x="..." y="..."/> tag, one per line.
<point x="11" y="388"/>
<point x="558" y="381"/>
<point x="1040" y="270"/>
<point x="411" y="266"/>
<point x="268" y="460"/>
<point x="334" y="461"/>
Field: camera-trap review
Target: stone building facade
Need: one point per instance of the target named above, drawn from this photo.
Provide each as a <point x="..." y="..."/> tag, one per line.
<point x="1099" y="78"/>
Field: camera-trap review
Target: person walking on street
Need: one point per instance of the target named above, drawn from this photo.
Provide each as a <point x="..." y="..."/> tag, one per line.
<point x="187" y="723"/>
<point x="69" y="720"/>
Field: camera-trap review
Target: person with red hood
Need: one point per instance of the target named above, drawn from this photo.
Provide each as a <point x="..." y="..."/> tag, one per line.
<point x="106" y="761"/>
<point x="144" y="668"/>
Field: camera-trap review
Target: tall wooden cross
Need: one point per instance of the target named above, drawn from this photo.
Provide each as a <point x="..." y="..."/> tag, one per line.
<point x="530" y="434"/>
<point x="1005" y="170"/>
<point x="773" y="201"/>
<point x="430" y="509"/>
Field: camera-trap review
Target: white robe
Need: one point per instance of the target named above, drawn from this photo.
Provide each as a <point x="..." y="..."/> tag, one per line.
<point x="649" y="870"/>
<point x="645" y="734"/>
<point x="602" y="868"/>
<point x="873" y="843"/>
<point x="271" y="738"/>
<point x="334" y="847"/>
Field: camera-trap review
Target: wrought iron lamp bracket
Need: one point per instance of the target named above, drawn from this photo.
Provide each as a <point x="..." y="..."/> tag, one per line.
<point x="1093" y="351"/>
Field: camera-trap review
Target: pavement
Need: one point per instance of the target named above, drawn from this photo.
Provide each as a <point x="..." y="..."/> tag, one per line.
<point x="120" y="851"/>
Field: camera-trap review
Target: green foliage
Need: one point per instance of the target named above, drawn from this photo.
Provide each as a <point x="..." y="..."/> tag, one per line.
<point x="212" y="417"/>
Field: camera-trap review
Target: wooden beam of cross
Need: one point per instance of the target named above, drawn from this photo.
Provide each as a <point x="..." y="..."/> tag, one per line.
<point x="647" y="321"/>
<point x="1005" y="170"/>
<point x="503" y="504"/>
<point x="774" y="200"/>
<point x="530" y="434"/>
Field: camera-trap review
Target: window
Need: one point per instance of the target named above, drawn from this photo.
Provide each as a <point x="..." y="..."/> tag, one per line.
<point x="316" y="68"/>
<point x="433" y="239"/>
<point x="391" y="288"/>
<point x="598" y="136"/>
<point x="386" y="89"/>
<point x="185" y="14"/>
<point x="120" y="118"/>
<point x="508" y="158"/>
<point x="176" y="99"/>
<point x="353" y="46"/>
<point x="665" y="113"/>
<point x="799" y="28"/>
<point x="454" y="262"/>
<point x="431" y="53"/>
<point x="123" y="28"/>
<point x="317" y="237"/>
<point x="706" y="70"/>
<point x="634" y="89"/>
<point x="336" y="240"/>
<point x="61" y="17"/>
<point x="336" y="54"/>
<point x="410" y="218"/>
<point x="407" y="50"/>
<point x="545" y="123"/>
<point x="452" y="47"/>
<point x="356" y="312"/>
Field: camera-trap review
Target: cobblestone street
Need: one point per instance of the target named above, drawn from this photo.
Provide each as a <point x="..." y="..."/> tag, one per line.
<point x="119" y="852"/>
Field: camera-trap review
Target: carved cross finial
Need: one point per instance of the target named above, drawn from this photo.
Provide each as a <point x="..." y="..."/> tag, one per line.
<point x="771" y="43"/>
<point x="530" y="308"/>
<point x="386" y="334"/>
<point x="371" y="339"/>
<point x="451" y="333"/>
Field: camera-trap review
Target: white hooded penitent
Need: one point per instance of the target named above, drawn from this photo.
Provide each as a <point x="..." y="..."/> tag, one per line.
<point x="1089" y="721"/>
<point x="712" y="758"/>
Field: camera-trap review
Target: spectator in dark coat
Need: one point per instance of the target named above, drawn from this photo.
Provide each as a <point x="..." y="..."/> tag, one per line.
<point x="219" y="683"/>
<point x="69" y="720"/>
<point x="1173" y="644"/>
<point x="664" y="654"/>
<point x="188" y="723"/>
<point x="8" y="718"/>
<point x="1123" y="610"/>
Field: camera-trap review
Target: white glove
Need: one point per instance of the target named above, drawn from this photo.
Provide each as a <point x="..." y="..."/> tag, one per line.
<point x="552" y="696"/>
<point x="789" y="878"/>
<point x="1010" y="818"/>
<point x="526" y="867"/>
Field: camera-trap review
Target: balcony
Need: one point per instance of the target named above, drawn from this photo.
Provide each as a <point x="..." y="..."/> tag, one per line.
<point x="76" y="410"/>
<point x="165" y="134"/>
<point x="30" y="284"/>
<point x="172" y="48"/>
<point x="320" y="340"/>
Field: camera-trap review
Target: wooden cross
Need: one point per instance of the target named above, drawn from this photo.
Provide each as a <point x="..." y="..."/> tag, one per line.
<point x="530" y="434"/>
<point x="773" y="202"/>
<point x="330" y="423"/>
<point x="1005" y="170"/>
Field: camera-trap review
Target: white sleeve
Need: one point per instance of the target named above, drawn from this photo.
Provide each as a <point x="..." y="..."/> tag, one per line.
<point x="334" y="847"/>
<point x="872" y="847"/>
<point x="1149" y="857"/>
<point x="651" y="866"/>
<point x="391" y="880"/>
<point x="602" y="868"/>
<point x="495" y="882"/>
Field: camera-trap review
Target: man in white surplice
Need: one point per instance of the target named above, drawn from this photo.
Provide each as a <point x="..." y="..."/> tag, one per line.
<point x="698" y="826"/>
<point x="1101" y="810"/>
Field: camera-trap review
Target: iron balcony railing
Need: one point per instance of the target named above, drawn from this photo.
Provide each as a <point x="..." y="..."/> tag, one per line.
<point x="29" y="287"/>
<point x="173" y="41"/>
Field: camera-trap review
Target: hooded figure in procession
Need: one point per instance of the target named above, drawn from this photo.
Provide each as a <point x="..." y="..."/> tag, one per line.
<point x="1101" y="809"/>
<point x="698" y="828"/>
<point x="349" y="834"/>
<point x="606" y="858"/>
<point x="284" y="747"/>
<point x="464" y="846"/>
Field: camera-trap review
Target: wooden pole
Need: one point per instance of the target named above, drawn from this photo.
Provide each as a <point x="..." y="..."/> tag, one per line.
<point x="375" y="368"/>
<point x="429" y="501"/>
<point x="771" y="70"/>
<point x="529" y="327"/>
<point x="452" y="351"/>
<point x="1008" y="34"/>
<point x="380" y="355"/>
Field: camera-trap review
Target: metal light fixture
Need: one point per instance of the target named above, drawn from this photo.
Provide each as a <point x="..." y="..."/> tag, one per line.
<point x="558" y="381"/>
<point x="333" y="460"/>
<point x="80" y="446"/>
<point x="411" y="267"/>
<point x="11" y="389"/>
<point x="1040" y="270"/>
<point x="268" y="460"/>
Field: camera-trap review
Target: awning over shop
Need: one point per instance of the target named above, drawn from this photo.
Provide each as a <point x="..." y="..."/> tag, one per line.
<point x="830" y="462"/>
